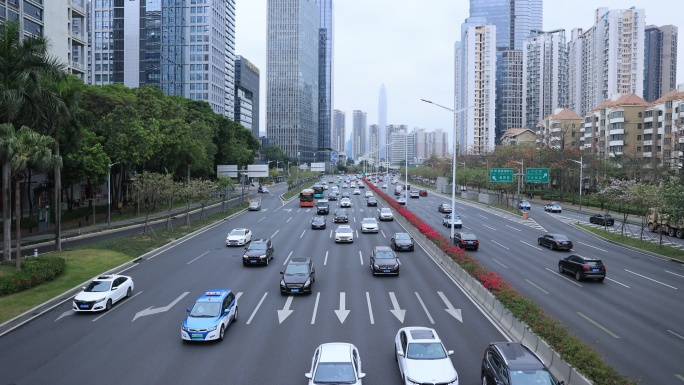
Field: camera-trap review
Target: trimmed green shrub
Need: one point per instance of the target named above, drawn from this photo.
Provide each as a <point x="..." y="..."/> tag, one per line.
<point x="34" y="271"/>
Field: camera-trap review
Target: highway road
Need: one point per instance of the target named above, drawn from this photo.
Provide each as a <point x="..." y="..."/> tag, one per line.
<point x="634" y="319"/>
<point x="138" y="341"/>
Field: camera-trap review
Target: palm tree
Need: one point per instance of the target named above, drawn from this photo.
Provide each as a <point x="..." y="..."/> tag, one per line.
<point x="33" y="150"/>
<point x="24" y="62"/>
<point x="8" y="148"/>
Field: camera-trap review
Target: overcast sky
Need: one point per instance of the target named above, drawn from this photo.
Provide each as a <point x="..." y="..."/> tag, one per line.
<point x="408" y="46"/>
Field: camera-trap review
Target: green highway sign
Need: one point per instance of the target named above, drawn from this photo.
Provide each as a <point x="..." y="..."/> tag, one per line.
<point x="500" y="175"/>
<point x="537" y="175"/>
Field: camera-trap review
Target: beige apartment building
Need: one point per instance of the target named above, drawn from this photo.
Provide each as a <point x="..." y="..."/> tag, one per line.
<point x="664" y="130"/>
<point x="519" y="137"/>
<point x="559" y="130"/>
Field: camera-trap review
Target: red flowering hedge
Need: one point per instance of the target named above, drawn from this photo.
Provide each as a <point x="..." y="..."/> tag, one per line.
<point x="573" y="350"/>
<point x="34" y="271"/>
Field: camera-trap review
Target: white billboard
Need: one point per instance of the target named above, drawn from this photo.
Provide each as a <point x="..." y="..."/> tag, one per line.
<point x="317" y="167"/>
<point x="257" y="170"/>
<point x="229" y="170"/>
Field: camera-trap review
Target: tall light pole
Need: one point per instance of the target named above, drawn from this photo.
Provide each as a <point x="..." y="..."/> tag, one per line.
<point x="520" y="174"/>
<point x="298" y="154"/>
<point x="453" y="167"/>
<point x="406" y="164"/>
<point x="109" y="193"/>
<point x="580" y="162"/>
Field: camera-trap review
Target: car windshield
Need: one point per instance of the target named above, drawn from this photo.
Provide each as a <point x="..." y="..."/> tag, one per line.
<point x="561" y="238"/>
<point x="205" y="309"/>
<point x="531" y="377"/>
<point x="317" y="219"/>
<point x="98" y="286"/>
<point x="369" y="221"/>
<point x="335" y="373"/>
<point x="256" y="246"/>
<point x="341" y="213"/>
<point x="296" y="269"/>
<point x="446" y="206"/>
<point x="468" y="237"/>
<point x="402" y="236"/>
<point x="344" y="230"/>
<point x="238" y="232"/>
<point x="384" y="255"/>
<point x="385" y="211"/>
<point x="426" y="351"/>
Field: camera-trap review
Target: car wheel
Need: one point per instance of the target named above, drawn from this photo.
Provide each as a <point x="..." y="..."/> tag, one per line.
<point x="235" y="317"/>
<point x="267" y="261"/>
<point x="552" y="246"/>
<point x="578" y="276"/>
<point x="600" y="279"/>
<point x="222" y="333"/>
<point x="128" y="293"/>
<point x="484" y="379"/>
<point x="109" y="304"/>
<point x="539" y="242"/>
<point x="283" y="293"/>
<point x="561" y="269"/>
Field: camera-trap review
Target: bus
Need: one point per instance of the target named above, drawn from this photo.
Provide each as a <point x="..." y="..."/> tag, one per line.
<point x="306" y="198"/>
<point x="318" y="191"/>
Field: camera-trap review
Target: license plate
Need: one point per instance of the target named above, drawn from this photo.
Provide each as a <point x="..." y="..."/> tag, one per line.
<point x="404" y="247"/>
<point x="83" y="306"/>
<point x="595" y="270"/>
<point x="196" y="336"/>
<point x="385" y="271"/>
<point x="253" y="261"/>
<point x="564" y="243"/>
<point x="470" y="242"/>
<point x="294" y="290"/>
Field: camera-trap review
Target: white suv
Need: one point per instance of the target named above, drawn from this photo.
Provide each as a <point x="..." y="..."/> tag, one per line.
<point x="422" y="358"/>
<point x="344" y="233"/>
<point x="386" y="214"/>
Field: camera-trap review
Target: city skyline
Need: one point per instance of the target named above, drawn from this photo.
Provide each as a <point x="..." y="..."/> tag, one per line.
<point x="410" y="77"/>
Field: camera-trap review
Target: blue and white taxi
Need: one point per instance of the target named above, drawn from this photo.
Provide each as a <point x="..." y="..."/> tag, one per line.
<point x="210" y="316"/>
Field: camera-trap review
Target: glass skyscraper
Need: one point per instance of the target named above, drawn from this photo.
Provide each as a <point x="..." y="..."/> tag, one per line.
<point x="292" y="74"/>
<point x="325" y="79"/>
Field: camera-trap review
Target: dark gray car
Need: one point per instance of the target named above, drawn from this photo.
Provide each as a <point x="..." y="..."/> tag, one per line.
<point x="298" y="276"/>
<point x="258" y="252"/>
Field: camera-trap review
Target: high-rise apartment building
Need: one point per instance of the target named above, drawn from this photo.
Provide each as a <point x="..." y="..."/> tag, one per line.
<point x="509" y="91"/>
<point x="325" y="78"/>
<point x="660" y="67"/>
<point x="191" y="48"/>
<point x="382" y="121"/>
<point x="475" y="67"/>
<point x="545" y="76"/>
<point x="612" y="58"/>
<point x="247" y="94"/>
<point x="66" y="35"/>
<point x="359" y="133"/>
<point x="402" y="149"/>
<point x="338" y="130"/>
<point x="292" y="74"/>
<point x="373" y="142"/>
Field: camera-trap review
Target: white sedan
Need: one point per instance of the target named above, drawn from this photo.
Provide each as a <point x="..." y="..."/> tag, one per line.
<point x="336" y="363"/>
<point x="422" y="358"/>
<point x="369" y="225"/>
<point x="239" y="237"/>
<point x="344" y="233"/>
<point x="369" y="194"/>
<point x="357" y="192"/>
<point x="345" y="202"/>
<point x="103" y="292"/>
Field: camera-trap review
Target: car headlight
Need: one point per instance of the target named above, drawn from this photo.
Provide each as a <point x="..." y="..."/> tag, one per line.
<point x="211" y="329"/>
<point x="185" y="328"/>
<point x="375" y="266"/>
<point x="307" y="283"/>
<point x="100" y="299"/>
<point x="282" y="283"/>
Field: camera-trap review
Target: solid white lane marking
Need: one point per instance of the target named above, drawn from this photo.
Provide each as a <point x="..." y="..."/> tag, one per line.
<point x="678" y="335"/>
<point x="500" y="244"/>
<point x="678" y="275"/>
<point x="619" y="283"/>
<point x="650" y="279"/>
<point x="325" y="261"/>
<point x="425" y="309"/>
<point x="516" y="229"/>
<point x="315" y="309"/>
<point x="342" y="312"/>
<point x="531" y="245"/>
<point x="257" y="308"/>
<point x="285" y="312"/>
<point x="598" y="325"/>
<point x="370" y="309"/>
<point x="288" y="258"/>
<point x="361" y="257"/>
<point x="274" y="234"/>
<point x="205" y="253"/>
<point x="302" y="236"/>
<point x="289" y="219"/>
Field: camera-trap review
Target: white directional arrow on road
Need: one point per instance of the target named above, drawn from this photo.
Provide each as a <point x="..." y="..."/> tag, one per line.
<point x="150" y="310"/>
<point x="399" y="313"/>
<point x="450" y="308"/>
<point x="283" y="314"/>
<point x="342" y="313"/>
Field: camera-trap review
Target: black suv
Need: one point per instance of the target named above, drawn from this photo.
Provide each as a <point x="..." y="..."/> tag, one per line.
<point x="258" y="252"/>
<point x="371" y="201"/>
<point x="583" y="267"/>
<point x="298" y="276"/>
<point x="384" y="261"/>
<point x="322" y="207"/>
<point x="513" y="363"/>
<point x="341" y="216"/>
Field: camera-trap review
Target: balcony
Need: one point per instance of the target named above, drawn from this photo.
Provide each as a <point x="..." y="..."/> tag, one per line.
<point x="680" y="140"/>
<point x="648" y="119"/>
<point x="75" y="35"/>
<point x="620" y="119"/>
<point x="648" y="142"/>
<point x="617" y="131"/>
<point x="77" y="66"/>
<point x="616" y="143"/>
<point x="648" y="154"/>
<point x="77" y="6"/>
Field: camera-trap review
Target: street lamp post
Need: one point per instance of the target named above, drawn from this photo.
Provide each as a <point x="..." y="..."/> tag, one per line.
<point x="109" y="193"/>
<point x="453" y="168"/>
<point x="298" y="154"/>
<point x="520" y="175"/>
<point x="406" y="164"/>
<point x="581" y="163"/>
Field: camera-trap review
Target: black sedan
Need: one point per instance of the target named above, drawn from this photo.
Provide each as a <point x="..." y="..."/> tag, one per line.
<point x="466" y="240"/>
<point x="444" y="208"/>
<point x="318" y="222"/>
<point x="371" y="201"/>
<point x="341" y="216"/>
<point x="583" y="267"/>
<point x="402" y="241"/>
<point x="555" y="242"/>
<point x="602" y="219"/>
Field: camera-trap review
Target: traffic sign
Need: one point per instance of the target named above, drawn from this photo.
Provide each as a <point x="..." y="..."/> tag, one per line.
<point x="500" y="175"/>
<point x="537" y="175"/>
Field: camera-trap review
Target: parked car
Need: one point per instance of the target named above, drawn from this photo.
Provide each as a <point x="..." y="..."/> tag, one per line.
<point x="553" y="207"/>
<point x="555" y="241"/>
<point x="422" y="193"/>
<point x="602" y="219"/>
<point x="402" y="241"/>
<point x="466" y="240"/>
<point x="513" y="363"/>
<point x="444" y="208"/>
<point x="583" y="267"/>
